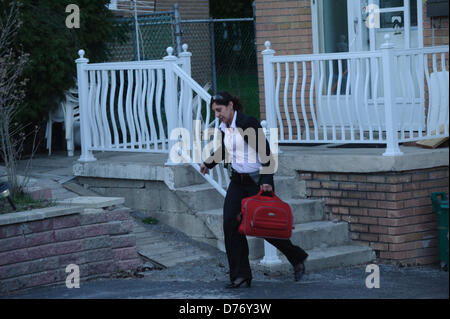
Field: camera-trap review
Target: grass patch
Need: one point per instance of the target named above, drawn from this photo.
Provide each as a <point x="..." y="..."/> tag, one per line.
<point x="150" y="221"/>
<point x="23" y="202"/>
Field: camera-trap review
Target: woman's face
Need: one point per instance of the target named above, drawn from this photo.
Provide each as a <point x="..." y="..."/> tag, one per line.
<point x="224" y="113"/>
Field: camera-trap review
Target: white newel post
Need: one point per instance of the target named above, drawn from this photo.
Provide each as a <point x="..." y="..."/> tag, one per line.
<point x="170" y="99"/>
<point x="270" y="252"/>
<point x="85" y="131"/>
<point x="269" y="85"/>
<point x="185" y="57"/>
<point x="392" y="148"/>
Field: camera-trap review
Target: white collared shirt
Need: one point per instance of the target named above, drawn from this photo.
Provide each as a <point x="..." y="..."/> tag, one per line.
<point x="244" y="157"/>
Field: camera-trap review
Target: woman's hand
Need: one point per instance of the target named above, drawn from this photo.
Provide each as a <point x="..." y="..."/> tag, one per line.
<point x="266" y="187"/>
<point x="203" y="169"/>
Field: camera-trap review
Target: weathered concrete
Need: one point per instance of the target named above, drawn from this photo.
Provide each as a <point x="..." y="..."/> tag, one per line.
<point x="39" y="214"/>
<point x="328" y="158"/>
<point x="92" y="202"/>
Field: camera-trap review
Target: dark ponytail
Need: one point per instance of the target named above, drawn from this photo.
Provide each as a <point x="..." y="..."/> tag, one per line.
<point x="223" y="98"/>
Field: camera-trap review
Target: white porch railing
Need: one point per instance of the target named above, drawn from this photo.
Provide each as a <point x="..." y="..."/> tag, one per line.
<point x="148" y="106"/>
<point x="388" y="96"/>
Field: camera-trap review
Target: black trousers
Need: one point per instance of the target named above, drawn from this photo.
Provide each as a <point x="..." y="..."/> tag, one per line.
<point x="236" y="245"/>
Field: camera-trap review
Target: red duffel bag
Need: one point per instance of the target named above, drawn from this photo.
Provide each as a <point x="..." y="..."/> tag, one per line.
<point x="265" y="216"/>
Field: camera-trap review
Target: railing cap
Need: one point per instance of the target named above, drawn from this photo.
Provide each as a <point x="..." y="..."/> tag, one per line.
<point x="81" y="59"/>
<point x="268" y="50"/>
<point x="170" y="55"/>
<point x="185" y="52"/>
<point x="387" y="42"/>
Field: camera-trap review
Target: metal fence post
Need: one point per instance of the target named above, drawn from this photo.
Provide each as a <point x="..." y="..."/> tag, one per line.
<point x="170" y="99"/>
<point x="392" y="148"/>
<point x="177" y="27"/>
<point x="85" y="131"/>
<point x="213" y="56"/>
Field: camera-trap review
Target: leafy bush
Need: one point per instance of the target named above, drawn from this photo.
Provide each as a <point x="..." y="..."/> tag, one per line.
<point x="53" y="47"/>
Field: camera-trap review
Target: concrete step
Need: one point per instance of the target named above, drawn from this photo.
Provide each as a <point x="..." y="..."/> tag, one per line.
<point x="303" y="210"/>
<point x="324" y="258"/>
<point x="213" y="219"/>
<point x="311" y="235"/>
<point x="182" y="176"/>
<point x="200" y="197"/>
<point x="287" y="187"/>
<point x="306" y="235"/>
<point x="307" y="210"/>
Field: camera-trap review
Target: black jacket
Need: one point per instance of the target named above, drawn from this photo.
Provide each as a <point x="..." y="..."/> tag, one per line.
<point x="248" y="124"/>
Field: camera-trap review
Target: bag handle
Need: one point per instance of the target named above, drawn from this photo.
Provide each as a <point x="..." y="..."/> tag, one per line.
<point x="271" y="192"/>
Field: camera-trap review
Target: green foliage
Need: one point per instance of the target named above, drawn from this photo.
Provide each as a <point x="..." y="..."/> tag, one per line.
<point x="53" y="48"/>
<point x="150" y="221"/>
<point x="221" y="9"/>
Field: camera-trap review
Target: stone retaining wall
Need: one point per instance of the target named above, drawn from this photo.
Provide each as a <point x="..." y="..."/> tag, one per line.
<point x="37" y="246"/>
<point x="390" y="211"/>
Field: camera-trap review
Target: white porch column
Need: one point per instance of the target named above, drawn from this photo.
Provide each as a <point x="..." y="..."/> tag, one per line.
<point x="270" y="255"/>
<point x="170" y="100"/>
<point x="185" y="57"/>
<point x="269" y="85"/>
<point x="270" y="252"/>
<point x="83" y="91"/>
<point x="392" y="148"/>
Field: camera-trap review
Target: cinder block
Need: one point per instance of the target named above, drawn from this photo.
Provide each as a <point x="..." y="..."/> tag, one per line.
<point x="41" y="238"/>
<point x="66" y="221"/>
<point x="14" y="256"/>
<point x="96" y="255"/>
<point x="10" y="230"/>
<point x="118" y="214"/>
<point x="12" y="243"/>
<point x="120" y="241"/>
<point x="96" y="242"/>
<point x="125" y="253"/>
<point x="93" y="216"/>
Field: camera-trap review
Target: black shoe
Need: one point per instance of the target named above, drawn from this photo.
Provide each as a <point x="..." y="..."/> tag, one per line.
<point x="238" y="284"/>
<point x="299" y="271"/>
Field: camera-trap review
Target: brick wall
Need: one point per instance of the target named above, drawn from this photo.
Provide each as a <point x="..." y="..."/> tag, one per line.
<point x="37" y="253"/>
<point x="435" y="31"/>
<point x="389" y="211"/>
<point x="287" y="24"/>
<point x="189" y="9"/>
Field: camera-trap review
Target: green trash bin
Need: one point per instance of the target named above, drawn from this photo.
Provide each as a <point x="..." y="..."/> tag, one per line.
<point x="440" y="206"/>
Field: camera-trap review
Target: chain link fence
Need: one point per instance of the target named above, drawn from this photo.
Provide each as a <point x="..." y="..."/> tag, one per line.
<point x="223" y="50"/>
<point x="156" y="33"/>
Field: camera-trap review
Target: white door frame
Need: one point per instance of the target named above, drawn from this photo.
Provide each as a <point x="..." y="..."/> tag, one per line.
<point x="357" y="24"/>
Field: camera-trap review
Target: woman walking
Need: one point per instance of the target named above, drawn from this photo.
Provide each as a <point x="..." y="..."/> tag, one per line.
<point x="249" y="173"/>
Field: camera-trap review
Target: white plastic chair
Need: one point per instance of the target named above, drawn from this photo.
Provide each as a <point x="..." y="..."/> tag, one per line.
<point x="68" y="112"/>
